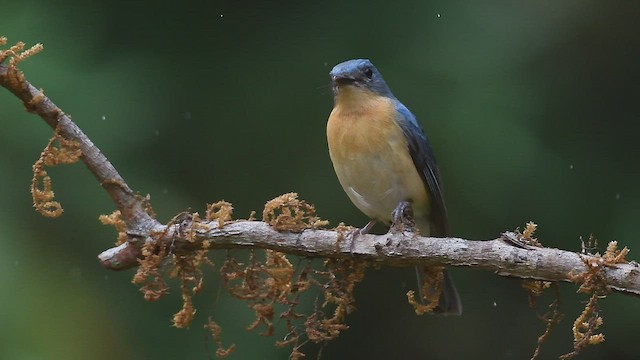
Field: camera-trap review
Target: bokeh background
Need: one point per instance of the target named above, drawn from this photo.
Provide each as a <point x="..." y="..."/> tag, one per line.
<point x="532" y="108"/>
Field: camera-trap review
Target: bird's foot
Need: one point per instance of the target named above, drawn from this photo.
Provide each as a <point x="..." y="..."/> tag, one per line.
<point x="357" y="232"/>
<point x="402" y="219"/>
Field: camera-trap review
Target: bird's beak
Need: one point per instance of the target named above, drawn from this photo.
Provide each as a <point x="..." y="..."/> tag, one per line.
<point x="342" y="79"/>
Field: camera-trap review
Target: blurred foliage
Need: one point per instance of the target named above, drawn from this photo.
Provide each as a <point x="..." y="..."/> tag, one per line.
<point x="531" y="107"/>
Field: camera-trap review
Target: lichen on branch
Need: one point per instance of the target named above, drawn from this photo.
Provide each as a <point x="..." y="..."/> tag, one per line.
<point x="14" y="78"/>
<point x="67" y="152"/>
<point x="287" y="213"/>
<point x="268" y="281"/>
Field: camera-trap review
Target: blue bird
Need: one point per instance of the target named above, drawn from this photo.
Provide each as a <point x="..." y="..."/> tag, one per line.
<point x="382" y="158"/>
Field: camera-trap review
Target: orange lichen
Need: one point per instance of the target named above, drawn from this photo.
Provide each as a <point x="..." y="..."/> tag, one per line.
<point x="67" y="152"/>
<point x="585" y="327"/>
<point x="431" y="289"/>
<point x="115" y="220"/>
<point x="185" y="265"/>
<point x="265" y="284"/>
<point x="613" y="256"/>
<point x="216" y="331"/>
<point x="593" y="281"/>
<point x="220" y="211"/>
<point x="342" y="277"/>
<point x="194" y="228"/>
<point x="344" y="232"/>
<point x="535" y="288"/>
<point x="261" y="284"/>
<point x="552" y="317"/>
<point x="525" y="238"/>
<point x="14" y="77"/>
<point x="148" y="274"/>
<point x="183" y="318"/>
<point x="527" y="234"/>
<point x="287" y="213"/>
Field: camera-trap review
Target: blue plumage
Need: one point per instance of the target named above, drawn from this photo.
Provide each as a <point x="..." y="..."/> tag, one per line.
<point x="382" y="157"/>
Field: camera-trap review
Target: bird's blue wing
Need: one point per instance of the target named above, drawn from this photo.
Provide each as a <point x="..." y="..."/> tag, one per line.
<point x="425" y="163"/>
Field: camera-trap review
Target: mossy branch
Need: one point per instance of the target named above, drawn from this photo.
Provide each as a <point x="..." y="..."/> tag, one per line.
<point x="141" y="227"/>
<point x="399" y="249"/>
<point x="291" y="226"/>
<point x="134" y="208"/>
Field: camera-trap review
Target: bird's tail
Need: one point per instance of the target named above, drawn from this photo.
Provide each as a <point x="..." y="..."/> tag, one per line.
<point x="449" y="303"/>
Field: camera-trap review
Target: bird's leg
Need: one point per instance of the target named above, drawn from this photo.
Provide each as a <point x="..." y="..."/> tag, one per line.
<point x="358" y="232"/>
<point x="367" y="228"/>
<point x="402" y="218"/>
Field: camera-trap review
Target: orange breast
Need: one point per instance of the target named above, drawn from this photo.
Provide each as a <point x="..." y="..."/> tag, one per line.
<point x="370" y="156"/>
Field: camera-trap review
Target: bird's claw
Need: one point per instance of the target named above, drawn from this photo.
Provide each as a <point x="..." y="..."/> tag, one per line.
<point x="357" y="232"/>
<point x="402" y="218"/>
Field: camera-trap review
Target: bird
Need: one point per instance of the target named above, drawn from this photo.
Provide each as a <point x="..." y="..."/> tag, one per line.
<point x="383" y="158"/>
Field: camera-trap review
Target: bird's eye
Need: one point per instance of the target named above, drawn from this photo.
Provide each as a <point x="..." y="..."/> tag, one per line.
<point x="368" y="73"/>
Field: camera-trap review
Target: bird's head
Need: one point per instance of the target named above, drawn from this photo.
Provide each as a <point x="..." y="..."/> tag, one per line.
<point x="357" y="77"/>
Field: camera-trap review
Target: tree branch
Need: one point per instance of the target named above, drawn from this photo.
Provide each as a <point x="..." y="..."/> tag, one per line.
<point x="131" y="206"/>
<point x="399" y="249"/>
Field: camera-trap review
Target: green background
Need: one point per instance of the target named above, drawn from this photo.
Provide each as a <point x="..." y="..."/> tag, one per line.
<point x="531" y="107"/>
